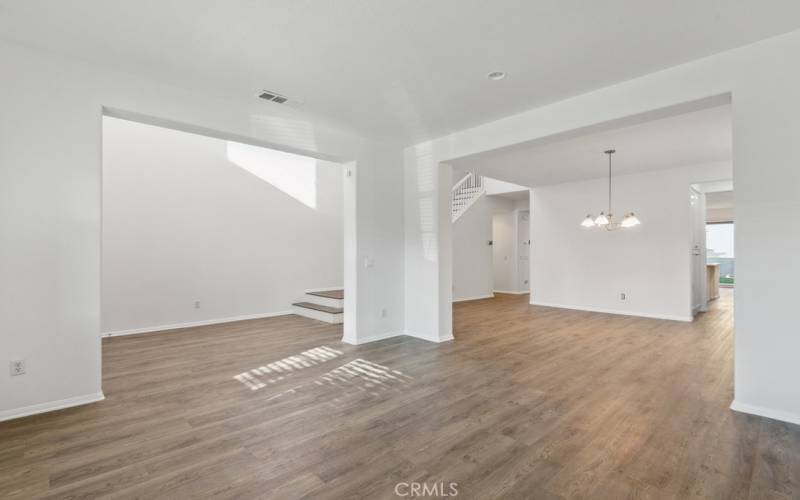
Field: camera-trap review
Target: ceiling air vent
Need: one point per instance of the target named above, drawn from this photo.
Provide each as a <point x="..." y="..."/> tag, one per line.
<point x="272" y="96"/>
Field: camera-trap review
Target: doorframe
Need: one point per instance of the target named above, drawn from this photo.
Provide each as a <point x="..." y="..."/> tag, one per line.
<point x="349" y="192"/>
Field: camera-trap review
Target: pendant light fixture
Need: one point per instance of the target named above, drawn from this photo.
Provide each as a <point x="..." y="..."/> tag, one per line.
<point x="606" y="219"/>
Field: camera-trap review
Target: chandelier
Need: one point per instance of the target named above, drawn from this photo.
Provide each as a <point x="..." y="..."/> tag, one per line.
<point x="606" y="219"/>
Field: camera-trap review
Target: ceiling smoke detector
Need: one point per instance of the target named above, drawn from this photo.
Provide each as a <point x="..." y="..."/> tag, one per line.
<point x="496" y="75"/>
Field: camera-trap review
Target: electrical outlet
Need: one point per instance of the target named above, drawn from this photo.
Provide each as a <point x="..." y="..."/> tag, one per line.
<point x="622" y="296"/>
<point x="383" y="312"/>
<point x="197" y="304"/>
<point x="16" y="367"/>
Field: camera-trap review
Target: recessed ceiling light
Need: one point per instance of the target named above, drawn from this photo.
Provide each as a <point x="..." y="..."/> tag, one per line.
<point x="496" y="75"/>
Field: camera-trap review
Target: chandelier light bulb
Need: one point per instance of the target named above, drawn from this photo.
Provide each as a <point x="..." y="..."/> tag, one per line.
<point x="626" y="221"/>
<point x="588" y="221"/>
<point x="630" y="220"/>
<point x="601" y="219"/>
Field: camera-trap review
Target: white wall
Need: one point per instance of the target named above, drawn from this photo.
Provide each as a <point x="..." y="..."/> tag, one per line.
<point x="377" y="180"/>
<point x="588" y="268"/>
<point x="50" y="210"/>
<point x="187" y="218"/>
<point x="720" y="201"/>
<point x="496" y="186"/>
<point x="719" y="214"/>
<point x="428" y="238"/>
<point x="766" y="95"/>
<point x="472" y="254"/>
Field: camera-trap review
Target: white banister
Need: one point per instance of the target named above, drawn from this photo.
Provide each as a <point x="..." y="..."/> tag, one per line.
<point x="466" y="192"/>
<point x="461" y="182"/>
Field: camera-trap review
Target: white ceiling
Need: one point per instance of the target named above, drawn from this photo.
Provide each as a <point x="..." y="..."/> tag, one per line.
<point x="692" y="138"/>
<point x="406" y="70"/>
<point x="513" y="195"/>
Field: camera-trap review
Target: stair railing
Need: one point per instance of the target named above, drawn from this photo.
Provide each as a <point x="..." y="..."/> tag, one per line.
<point x="465" y="193"/>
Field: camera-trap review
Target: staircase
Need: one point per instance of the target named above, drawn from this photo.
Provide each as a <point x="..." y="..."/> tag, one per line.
<point x="466" y="192"/>
<point x="326" y="305"/>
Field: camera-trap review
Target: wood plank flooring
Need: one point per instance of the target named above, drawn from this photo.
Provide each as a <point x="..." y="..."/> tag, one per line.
<point x="330" y="294"/>
<point x="528" y="402"/>
<point x="319" y="307"/>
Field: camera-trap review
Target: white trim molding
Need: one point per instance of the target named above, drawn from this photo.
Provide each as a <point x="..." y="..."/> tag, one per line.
<point x="430" y="338"/>
<point x="478" y="297"/>
<point x="686" y="319"/>
<point x="388" y="335"/>
<point x="372" y="338"/>
<point x="177" y="326"/>
<point x="512" y="293"/>
<point x="51" y="406"/>
<point x="326" y="289"/>
<point x="760" y="411"/>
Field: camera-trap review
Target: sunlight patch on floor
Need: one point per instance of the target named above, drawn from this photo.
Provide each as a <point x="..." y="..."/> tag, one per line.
<point x="264" y="375"/>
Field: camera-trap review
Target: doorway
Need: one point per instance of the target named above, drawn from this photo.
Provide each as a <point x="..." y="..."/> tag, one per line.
<point x="719" y="248"/>
<point x="720" y="234"/>
<point x="713" y="234"/>
<point x="201" y="230"/>
<point x="511" y="251"/>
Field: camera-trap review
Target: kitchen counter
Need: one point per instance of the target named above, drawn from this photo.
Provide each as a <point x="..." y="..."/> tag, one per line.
<point x="712" y="281"/>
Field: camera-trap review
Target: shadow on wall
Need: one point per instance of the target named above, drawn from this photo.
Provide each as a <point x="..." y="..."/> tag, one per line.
<point x="426" y="169"/>
<point x="293" y="174"/>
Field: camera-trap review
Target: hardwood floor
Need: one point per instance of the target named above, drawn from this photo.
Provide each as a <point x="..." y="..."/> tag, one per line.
<point x="528" y="402"/>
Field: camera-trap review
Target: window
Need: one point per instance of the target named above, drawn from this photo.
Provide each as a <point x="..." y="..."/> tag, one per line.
<point x="719" y="249"/>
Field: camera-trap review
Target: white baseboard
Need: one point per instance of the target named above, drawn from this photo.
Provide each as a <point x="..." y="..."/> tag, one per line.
<point x="387" y="335"/>
<point x="670" y="317"/>
<point x="371" y="338"/>
<point x="327" y="289"/>
<point x="479" y="297"/>
<point x="50" y="406"/>
<point x="429" y="338"/>
<point x="512" y="293"/>
<point x="175" y="326"/>
<point x="783" y="416"/>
